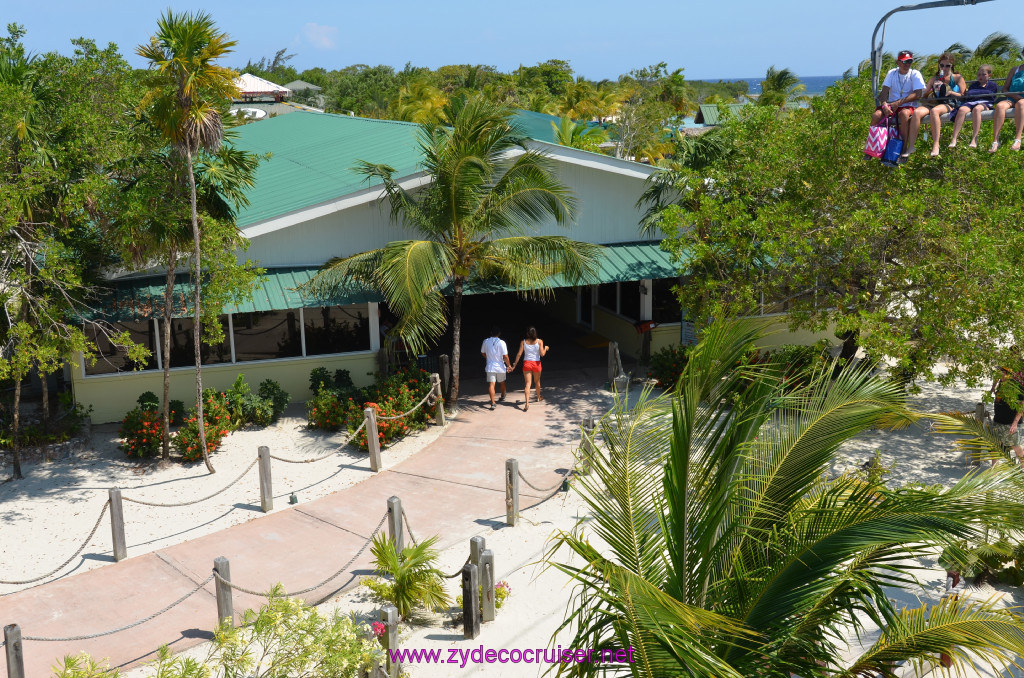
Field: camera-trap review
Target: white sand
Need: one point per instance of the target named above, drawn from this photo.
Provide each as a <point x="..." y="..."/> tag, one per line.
<point x="47" y="515"/>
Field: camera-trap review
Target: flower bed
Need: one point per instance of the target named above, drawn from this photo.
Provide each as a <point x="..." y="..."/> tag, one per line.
<point x="335" y="407"/>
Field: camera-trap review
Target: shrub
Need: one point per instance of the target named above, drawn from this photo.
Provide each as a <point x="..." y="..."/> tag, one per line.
<point x="412" y="579"/>
<point x="278" y="398"/>
<point x="329" y="411"/>
<point x="501" y="591"/>
<point x="177" y="412"/>
<point x="141" y="432"/>
<point x="149" y="401"/>
<point x="343" y="380"/>
<point x="667" y="364"/>
<point x="319" y="379"/>
<point x="217" y="419"/>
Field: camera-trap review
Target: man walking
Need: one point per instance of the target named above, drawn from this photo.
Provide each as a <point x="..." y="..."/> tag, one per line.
<point x="496" y="364"/>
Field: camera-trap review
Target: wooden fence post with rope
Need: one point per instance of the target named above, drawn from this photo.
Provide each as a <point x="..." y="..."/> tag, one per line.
<point x="15" y="651"/>
<point x="117" y="525"/>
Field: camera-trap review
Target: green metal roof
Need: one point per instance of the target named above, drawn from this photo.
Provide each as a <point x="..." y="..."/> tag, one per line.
<point x="312" y="156"/>
<point x="708" y="113"/>
<point x="141" y="298"/>
<point x="536" y="125"/>
<point x="620" y="262"/>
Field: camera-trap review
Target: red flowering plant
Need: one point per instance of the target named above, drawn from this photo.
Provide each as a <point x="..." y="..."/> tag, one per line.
<point x="141" y="432"/>
<point x="667" y="364"/>
<point x="217" y="420"/>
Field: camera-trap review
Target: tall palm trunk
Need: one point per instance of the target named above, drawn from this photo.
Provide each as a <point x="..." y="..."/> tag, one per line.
<point x="196" y="283"/>
<point x="453" y="389"/>
<point x="46" y="400"/>
<point x="172" y="259"/>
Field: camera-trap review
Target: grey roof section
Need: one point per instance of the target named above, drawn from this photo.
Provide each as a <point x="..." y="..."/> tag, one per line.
<point x="274" y="108"/>
<point x="302" y="86"/>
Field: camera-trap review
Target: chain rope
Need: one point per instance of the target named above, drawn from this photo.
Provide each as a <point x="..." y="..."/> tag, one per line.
<point x="554" y="487"/>
<point x="92" y="532"/>
<point x="194" y="501"/>
<point x="408" y="528"/>
<point x="323" y="456"/>
<point x="429" y="396"/>
<point x="90" y="636"/>
<point x="458" y="571"/>
<point x="338" y="572"/>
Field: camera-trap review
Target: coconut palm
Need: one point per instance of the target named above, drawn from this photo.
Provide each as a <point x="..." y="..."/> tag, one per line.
<point x="779" y="86"/>
<point x="186" y="101"/>
<point x="418" y="101"/>
<point x="997" y="46"/>
<point x="578" y="134"/>
<point x="487" y="191"/>
<point x="724" y="550"/>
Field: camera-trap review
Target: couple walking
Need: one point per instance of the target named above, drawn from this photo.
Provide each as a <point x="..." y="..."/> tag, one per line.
<point x="497" y="365"/>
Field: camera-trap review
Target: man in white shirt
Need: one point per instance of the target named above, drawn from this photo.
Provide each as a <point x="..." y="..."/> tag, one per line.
<point x="901" y="89"/>
<point x="496" y="363"/>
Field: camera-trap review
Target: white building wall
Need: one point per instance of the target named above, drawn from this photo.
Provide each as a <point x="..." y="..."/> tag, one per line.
<point x="607" y="214"/>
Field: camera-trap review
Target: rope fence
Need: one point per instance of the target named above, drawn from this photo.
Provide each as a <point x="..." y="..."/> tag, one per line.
<point x="113" y="505"/>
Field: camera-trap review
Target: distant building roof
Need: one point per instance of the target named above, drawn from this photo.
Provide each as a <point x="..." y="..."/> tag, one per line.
<point x="253" y="86"/>
<point x="536" y="125"/>
<point x="270" y="108"/>
<point x="707" y="114"/>
<point x="303" y="86"/>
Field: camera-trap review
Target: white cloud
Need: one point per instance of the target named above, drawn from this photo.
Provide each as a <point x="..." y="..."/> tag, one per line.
<point x="321" y="37"/>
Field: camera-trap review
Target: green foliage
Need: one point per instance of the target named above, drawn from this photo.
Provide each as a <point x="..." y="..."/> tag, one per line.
<point x="285" y="637"/>
<point x="218" y="424"/>
<point x="141" y="432"/>
<point x="717" y="545"/>
<point x="83" y="666"/>
<point x="319" y="378"/>
<point x="271" y="391"/>
<point x="333" y="408"/>
<point x="795" y="220"/>
<point x="148" y="401"/>
<point x="411" y="580"/>
<point x="501" y="592"/>
<point x="177" y="414"/>
<point x="667" y="364"/>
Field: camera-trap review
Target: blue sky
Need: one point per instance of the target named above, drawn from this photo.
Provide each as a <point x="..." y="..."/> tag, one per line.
<point x="602" y="38"/>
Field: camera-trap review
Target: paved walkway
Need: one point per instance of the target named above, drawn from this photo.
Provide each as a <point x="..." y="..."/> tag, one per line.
<point x="453" y="488"/>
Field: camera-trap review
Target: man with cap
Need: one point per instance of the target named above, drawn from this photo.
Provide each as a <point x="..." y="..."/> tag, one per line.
<point x="901" y="89"/>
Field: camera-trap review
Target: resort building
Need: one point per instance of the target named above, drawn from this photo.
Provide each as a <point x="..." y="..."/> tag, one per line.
<point x="308" y="206"/>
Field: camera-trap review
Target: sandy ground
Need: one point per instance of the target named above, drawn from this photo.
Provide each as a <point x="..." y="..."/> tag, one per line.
<point x="540" y="596"/>
<point x="45" y="517"/>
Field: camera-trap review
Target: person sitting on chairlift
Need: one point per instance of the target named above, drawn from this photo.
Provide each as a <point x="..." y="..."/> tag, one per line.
<point x="901" y="90"/>
<point x="979" y="98"/>
<point x="1013" y="86"/>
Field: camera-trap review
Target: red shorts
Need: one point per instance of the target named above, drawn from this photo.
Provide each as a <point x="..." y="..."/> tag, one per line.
<point x="531" y="366"/>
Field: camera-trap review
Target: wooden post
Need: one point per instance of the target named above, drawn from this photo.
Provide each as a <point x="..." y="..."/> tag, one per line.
<point x="266" y="486"/>
<point x="372" y="440"/>
<point x="15" y="652"/>
<point x="117" y="525"/>
<point x="225" y="606"/>
<point x="487" y="584"/>
<point x="470" y="601"/>
<point x="589" y="448"/>
<point x="511" y="492"/>
<point x="395" y="530"/>
<point x="476" y="547"/>
<point x="979" y="412"/>
<point x="389" y="617"/>
<point x="612" y="371"/>
<point x="444" y="364"/>
<point x="435" y="379"/>
<point x="382" y="360"/>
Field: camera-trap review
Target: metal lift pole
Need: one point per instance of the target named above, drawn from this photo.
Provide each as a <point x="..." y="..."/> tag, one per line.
<point x="876" y="52"/>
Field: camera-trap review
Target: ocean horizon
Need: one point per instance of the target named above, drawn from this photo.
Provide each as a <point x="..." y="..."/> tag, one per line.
<point x="815" y="84"/>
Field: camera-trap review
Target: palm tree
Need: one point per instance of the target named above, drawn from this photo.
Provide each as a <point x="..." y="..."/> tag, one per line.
<point x="187" y="96"/>
<point x="997" y="46"/>
<point x="486" y="192"/>
<point x="778" y="87"/>
<point x="726" y="551"/>
<point x="578" y="135"/>
<point x="418" y="101"/>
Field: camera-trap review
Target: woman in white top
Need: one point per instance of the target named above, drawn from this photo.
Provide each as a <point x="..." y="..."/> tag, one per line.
<point x="531" y="350"/>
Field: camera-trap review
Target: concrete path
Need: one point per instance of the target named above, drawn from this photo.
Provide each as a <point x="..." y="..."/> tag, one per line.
<point x="453" y="488"/>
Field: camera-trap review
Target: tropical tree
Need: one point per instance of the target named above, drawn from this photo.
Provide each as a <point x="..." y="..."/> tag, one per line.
<point x="996" y="46"/>
<point x="579" y="134"/>
<point x="418" y="101"/>
<point x="186" y="101"/>
<point x="779" y="87"/>
<point x="487" y="191"/>
<point x="725" y="550"/>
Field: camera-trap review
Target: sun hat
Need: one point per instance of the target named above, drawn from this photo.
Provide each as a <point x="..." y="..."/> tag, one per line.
<point x="905" y="55"/>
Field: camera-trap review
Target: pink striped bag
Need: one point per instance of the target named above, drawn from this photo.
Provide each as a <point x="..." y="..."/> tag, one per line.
<point x="878" y="137"/>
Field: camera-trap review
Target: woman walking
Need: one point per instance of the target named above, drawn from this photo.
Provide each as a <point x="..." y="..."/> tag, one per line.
<point x="531" y="350"/>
